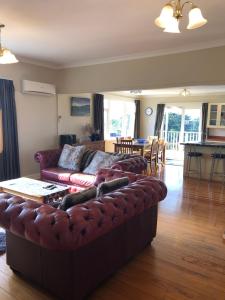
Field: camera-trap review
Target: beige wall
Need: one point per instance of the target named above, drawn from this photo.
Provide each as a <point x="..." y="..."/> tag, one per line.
<point x="37" y="128"/>
<point x="37" y="115"/>
<point x="148" y="123"/>
<point x="202" y="67"/>
<point x="68" y="124"/>
<point x="20" y="71"/>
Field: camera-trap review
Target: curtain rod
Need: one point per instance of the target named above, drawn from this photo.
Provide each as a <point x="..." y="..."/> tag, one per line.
<point x="2" y="77"/>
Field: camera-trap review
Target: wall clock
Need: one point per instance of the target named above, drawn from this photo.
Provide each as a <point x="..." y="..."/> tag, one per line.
<point x="148" y="111"/>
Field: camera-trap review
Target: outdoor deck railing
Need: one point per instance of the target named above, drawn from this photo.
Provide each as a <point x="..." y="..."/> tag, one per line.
<point x="174" y="138"/>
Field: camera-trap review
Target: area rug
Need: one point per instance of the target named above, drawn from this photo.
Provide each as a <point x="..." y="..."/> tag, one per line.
<point x="2" y="242"/>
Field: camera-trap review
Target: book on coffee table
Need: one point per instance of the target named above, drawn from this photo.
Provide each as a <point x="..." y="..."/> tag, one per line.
<point x="34" y="189"/>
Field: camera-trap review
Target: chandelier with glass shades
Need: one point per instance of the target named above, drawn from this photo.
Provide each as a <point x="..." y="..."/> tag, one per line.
<point x="172" y="13"/>
<point x="6" y="56"/>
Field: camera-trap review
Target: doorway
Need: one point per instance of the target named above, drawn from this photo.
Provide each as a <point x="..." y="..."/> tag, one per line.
<point x="180" y="124"/>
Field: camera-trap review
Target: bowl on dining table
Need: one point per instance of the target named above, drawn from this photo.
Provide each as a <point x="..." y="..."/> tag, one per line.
<point x="142" y="141"/>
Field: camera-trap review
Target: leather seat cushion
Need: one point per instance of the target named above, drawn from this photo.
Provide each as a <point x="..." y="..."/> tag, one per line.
<point x="57" y="174"/>
<point x="83" y="180"/>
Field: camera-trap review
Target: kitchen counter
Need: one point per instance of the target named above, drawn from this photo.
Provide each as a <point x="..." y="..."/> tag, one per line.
<point x="205" y="144"/>
<point x="206" y="148"/>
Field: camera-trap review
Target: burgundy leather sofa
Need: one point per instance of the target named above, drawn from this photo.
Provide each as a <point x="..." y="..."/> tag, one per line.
<point x="69" y="253"/>
<point x="50" y="172"/>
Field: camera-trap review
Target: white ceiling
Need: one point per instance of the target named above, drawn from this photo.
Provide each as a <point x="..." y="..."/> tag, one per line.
<point x="78" y="32"/>
<point x="176" y="92"/>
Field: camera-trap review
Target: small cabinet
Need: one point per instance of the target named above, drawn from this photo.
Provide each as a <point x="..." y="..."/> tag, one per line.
<point x="216" y="115"/>
<point x="96" y="145"/>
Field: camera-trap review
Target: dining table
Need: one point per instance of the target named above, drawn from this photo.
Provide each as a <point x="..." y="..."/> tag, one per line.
<point x="141" y="147"/>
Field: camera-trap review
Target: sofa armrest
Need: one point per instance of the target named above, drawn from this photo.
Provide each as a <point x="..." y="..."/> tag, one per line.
<point x="47" y="158"/>
<point x="108" y="174"/>
<point x="69" y="230"/>
<point x="136" y="164"/>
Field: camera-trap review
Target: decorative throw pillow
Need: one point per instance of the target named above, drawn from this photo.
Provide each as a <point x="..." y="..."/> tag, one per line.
<point x="121" y="156"/>
<point x="77" y="198"/>
<point x="71" y="157"/>
<point x="100" y="160"/>
<point x="110" y="186"/>
<point x="87" y="158"/>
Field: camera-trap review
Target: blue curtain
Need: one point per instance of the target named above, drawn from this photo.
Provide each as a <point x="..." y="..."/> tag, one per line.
<point x="137" y="122"/>
<point x="9" y="158"/>
<point x="159" y="119"/>
<point x="204" y="121"/>
<point x="98" y="114"/>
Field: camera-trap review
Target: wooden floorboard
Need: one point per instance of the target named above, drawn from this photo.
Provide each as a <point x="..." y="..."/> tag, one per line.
<point x="185" y="261"/>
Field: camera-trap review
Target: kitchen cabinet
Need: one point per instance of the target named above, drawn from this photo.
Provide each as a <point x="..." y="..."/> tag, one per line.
<point x="216" y="115"/>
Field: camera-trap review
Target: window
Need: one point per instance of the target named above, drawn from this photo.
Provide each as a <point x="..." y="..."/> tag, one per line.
<point x="192" y="120"/>
<point x="119" y="117"/>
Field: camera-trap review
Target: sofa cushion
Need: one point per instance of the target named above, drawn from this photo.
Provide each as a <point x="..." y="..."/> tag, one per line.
<point x="57" y="174"/>
<point x="84" y="180"/>
<point x="100" y="160"/>
<point x="110" y="186"/>
<point x="77" y="198"/>
<point x="71" y="157"/>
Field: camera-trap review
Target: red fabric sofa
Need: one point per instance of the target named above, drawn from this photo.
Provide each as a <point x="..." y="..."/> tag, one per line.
<point x="70" y="252"/>
<point x="49" y="171"/>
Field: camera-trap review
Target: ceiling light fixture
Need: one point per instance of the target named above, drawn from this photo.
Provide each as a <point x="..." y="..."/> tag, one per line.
<point x="185" y="93"/>
<point x="6" y="56"/>
<point x="136" y="92"/>
<point x="172" y="13"/>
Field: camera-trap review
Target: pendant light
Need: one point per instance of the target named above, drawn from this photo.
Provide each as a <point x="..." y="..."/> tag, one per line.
<point x="172" y="13"/>
<point x="196" y="19"/>
<point x="6" y="56"/>
<point x="185" y="93"/>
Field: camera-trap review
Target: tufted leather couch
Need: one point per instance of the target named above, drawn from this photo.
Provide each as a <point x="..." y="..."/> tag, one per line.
<point x="50" y="172"/>
<point x="70" y="252"/>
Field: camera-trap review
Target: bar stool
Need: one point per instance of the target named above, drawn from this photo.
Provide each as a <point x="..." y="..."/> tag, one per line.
<point x="193" y="153"/>
<point x="216" y="157"/>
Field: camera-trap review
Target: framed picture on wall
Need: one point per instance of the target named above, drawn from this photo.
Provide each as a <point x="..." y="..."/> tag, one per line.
<point x="80" y="107"/>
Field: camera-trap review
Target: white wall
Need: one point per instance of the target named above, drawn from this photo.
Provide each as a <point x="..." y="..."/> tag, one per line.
<point x="148" y="123"/>
<point x="68" y="124"/>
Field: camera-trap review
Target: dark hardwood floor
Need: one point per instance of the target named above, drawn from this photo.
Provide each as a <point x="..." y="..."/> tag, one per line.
<point x="186" y="259"/>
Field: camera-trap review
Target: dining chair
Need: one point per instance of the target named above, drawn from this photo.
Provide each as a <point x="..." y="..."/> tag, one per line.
<point x="152" y="155"/>
<point x="162" y="152"/>
<point x="125" y="146"/>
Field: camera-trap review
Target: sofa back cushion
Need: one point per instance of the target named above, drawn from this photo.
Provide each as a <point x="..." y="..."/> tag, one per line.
<point x="100" y="160"/>
<point x="110" y="186"/>
<point x="77" y="198"/>
<point x="71" y="157"/>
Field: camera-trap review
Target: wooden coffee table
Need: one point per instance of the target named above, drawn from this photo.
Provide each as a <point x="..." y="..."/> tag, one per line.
<point x="34" y="189"/>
